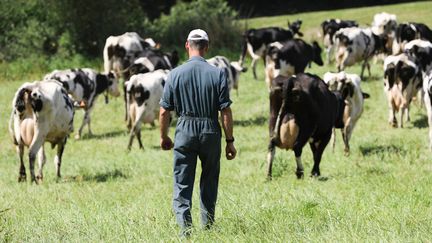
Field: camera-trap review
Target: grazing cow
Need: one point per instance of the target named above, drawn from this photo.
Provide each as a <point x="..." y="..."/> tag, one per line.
<point x="407" y="32"/>
<point x="421" y="50"/>
<point x="349" y="87"/>
<point x="357" y="45"/>
<point x="85" y="85"/>
<point x="41" y="112"/>
<point x="143" y="94"/>
<point x="402" y="81"/>
<point x="290" y="57"/>
<point x="329" y="28"/>
<point x="256" y="41"/>
<point x="231" y="69"/>
<point x="302" y="110"/>
<point x="120" y="51"/>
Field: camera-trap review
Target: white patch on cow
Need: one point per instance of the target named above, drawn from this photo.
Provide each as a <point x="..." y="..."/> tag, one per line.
<point x="146" y="63"/>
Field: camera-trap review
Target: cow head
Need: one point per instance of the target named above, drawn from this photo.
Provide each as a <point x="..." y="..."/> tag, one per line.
<point x="295" y="27"/>
<point x="317" y="54"/>
<point x="107" y="82"/>
<point x="236" y="69"/>
<point x="405" y="33"/>
<point x="421" y="54"/>
<point x="174" y="58"/>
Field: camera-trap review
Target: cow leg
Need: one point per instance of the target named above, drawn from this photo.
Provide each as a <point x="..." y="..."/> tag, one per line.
<point x="270" y="157"/>
<point x="402" y="113"/>
<point x="328" y="53"/>
<point x="22" y="173"/>
<point x="362" y="70"/>
<point x="368" y="67"/>
<point x="334" y="138"/>
<point x="58" y="157"/>
<point x="85" y="121"/>
<point x="131" y="138"/>
<point x="317" y="150"/>
<point x="138" y="134"/>
<point x="41" y="160"/>
<point x="125" y="102"/>
<point x="427" y="102"/>
<point x="34" y="148"/>
<point x="346" y="135"/>
<point x="408" y="114"/>
<point x="300" y="170"/>
<point x="392" y="117"/>
<point x="254" y="63"/>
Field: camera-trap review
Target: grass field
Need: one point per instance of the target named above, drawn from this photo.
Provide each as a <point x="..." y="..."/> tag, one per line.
<point x="381" y="192"/>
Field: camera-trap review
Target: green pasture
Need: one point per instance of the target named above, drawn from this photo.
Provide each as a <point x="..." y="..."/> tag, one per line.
<point x="382" y="192"/>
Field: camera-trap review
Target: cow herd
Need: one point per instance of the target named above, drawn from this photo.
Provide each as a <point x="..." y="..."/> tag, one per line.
<point x="303" y="107"/>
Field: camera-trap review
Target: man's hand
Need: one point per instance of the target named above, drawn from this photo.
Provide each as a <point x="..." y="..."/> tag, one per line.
<point x="166" y="143"/>
<point x="230" y="151"/>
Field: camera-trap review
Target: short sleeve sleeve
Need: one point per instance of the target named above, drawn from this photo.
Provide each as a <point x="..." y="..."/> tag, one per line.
<point x="166" y="100"/>
<point x="224" y="98"/>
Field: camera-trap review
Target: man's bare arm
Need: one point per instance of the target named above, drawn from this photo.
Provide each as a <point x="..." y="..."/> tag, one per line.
<point x="227" y="122"/>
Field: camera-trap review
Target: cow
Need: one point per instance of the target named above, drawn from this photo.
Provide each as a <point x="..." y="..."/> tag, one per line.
<point x="349" y="87"/>
<point x="407" y="32"/>
<point x="120" y="51"/>
<point x="231" y="69"/>
<point x="290" y="57"/>
<point x="329" y="28"/>
<point x="385" y="24"/>
<point x="143" y="94"/>
<point x="41" y="112"/>
<point x="255" y="41"/>
<point x="85" y="85"/>
<point x="150" y="60"/>
<point x="302" y="109"/>
<point x="357" y="45"/>
<point x="402" y="81"/>
<point x="421" y="50"/>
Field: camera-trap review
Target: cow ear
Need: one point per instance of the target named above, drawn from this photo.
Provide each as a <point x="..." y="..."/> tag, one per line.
<point x="365" y="95"/>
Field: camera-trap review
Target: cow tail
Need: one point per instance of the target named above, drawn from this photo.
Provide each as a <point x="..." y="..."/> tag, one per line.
<point x="244" y="47"/>
<point x="397" y="72"/>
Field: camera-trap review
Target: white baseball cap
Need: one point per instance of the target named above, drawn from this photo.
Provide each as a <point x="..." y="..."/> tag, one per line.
<point x="198" y="34"/>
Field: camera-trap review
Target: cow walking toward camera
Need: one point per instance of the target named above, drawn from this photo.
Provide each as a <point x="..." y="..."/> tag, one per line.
<point x="329" y="28"/>
<point x="302" y="110"/>
<point x="85" y="85"/>
<point x="144" y="92"/>
<point x="348" y="85"/>
<point x="41" y="112"/>
<point x="402" y="81"/>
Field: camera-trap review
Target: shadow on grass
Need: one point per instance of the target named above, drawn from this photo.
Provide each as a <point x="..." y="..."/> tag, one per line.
<point x="381" y="149"/>
<point x="422" y="122"/>
<point x="256" y="121"/>
<point x="104" y="135"/>
<point x="98" y="177"/>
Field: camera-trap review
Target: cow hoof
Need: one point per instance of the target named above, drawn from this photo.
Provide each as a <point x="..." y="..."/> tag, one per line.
<point x="39" y="179"/>
<point x="300" y="174"/>
<point x="22" y="178"/>
<point x="346" y="153"/>
<point x="315" y="174"/>
<point x="77" y="136"/>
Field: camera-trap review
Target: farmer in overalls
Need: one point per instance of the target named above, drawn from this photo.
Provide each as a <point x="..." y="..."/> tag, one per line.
<point x="197" y="92"/>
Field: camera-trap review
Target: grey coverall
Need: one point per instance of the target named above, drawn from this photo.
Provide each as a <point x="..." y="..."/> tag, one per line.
<point x="196" y="91"/>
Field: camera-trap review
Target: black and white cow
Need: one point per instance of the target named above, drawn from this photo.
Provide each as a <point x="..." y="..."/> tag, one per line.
<point x="150" y="60"/>
<point x="41" y="112"/>
<point x="143" y="94"/>
<point x="290" y="57"/>
<point x="85" y="85"/>
<point x="255" y="41"/>
<point x="407" y="32"/>
<point x="329" y="28"/>
<point x="302" y="109"/>
<point x="357" y="45"/>
<point x="231" y="69"/>
<point x="421" y="50"/>
<point x="349" y="87"/>
<point x="120" y="51"/>
<point x="402" y="81"/>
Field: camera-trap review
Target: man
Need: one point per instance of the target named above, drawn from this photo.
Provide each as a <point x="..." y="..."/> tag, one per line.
<point x="197" y="92"/>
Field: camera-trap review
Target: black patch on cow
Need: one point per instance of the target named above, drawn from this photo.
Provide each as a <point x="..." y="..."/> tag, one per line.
<point x="84" y="81"/>
<point x="67" y="100"/>
<point x="405" y="74"/>
<point x="20" y="102"/>
<point x="140" y="94"/>
<point x="331" y="26"/>
<point x="340" y="99"/>
<point x="65" y="85"/>
<point x="389" y="74"/>
<point x="317" y="54"/>
<point x="102" y="83"/>
<point x="347" y="90"/>
<point x="36" y="104"/>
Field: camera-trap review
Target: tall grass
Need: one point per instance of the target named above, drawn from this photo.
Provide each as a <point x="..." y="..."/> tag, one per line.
<point x="381" y="192"/>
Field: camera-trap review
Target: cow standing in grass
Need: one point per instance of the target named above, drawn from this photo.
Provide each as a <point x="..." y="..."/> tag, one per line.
<point x="232" y="70"/>
<point x="41" y="112"/>
<point x="302" y="110"/>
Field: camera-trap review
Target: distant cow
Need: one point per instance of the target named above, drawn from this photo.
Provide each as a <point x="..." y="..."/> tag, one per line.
<point x="231" y="69"/>
<point x="302" y="110"/>
<point x="384" y="23"/>
<point x="143" y="94"/>
<point x="120" y="51"/>
<point x="402" y="81"/>
<point x="41" y="112"/>
<point x="407" y="32"/>
<point x="329" y="28"/>
<point x="85" y="85"/>
<point x="256" y="41"/>
<point x="349" y="87"/>
<point x="290" y="57"/>
<point x="357" y="45"/>
<point x="422" y="51"/>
